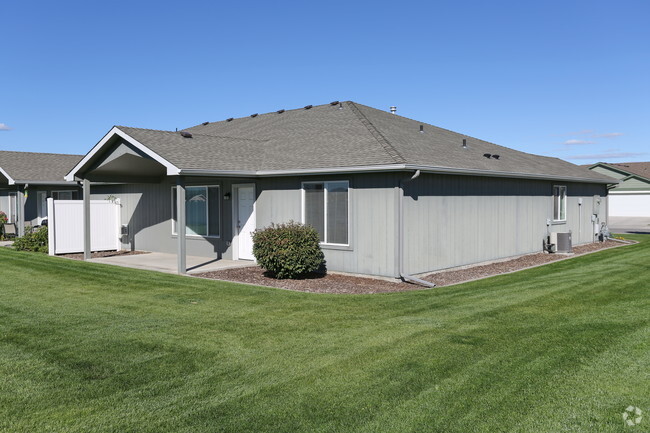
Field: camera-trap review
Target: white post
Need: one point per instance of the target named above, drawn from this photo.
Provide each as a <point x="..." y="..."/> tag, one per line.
<point x="86" y="224"/>
<point x="118" y="218"/>
<point x="180" y="225"/>
<point x="51" y="246"/>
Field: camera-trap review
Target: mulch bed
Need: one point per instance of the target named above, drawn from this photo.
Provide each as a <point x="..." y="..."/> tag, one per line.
<point x="99" y="254"/>
<point x="446" y="278"/>
<point x="339" y="283"/>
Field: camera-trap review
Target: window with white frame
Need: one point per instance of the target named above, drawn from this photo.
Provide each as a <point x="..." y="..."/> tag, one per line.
<point x="64" y="195"/>
<point x="202" y="211"/>
<point x="325" y="207"/>
<point x="559" y="203"/>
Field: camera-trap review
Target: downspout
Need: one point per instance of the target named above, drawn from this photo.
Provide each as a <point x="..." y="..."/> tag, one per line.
<point x="400" y="235"/>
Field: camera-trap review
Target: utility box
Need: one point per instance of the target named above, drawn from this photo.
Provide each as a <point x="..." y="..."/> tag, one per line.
<point x="597" y="201"/>
<point x="562" y="242"/>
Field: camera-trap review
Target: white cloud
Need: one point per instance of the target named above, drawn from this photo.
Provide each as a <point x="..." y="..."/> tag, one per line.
<point x="610" y="155"/>
<point x="574" y="142"/>
<point x="608" y="135"/>
<point x="4" y="127"/>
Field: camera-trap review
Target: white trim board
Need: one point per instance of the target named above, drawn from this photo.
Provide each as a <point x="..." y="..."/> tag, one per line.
<point x="171" y="168"/>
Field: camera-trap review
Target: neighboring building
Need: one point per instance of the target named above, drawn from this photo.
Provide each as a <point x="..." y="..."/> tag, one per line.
<point x="630" y="197"/>
<point x="389" y="196"/>
<point x="27" y="179"/>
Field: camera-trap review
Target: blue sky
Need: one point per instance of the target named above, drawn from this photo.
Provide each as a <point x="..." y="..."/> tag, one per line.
<point x="563" y="78"/>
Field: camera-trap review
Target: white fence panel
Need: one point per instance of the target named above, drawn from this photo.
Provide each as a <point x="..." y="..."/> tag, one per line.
<point x="66" y="226"/>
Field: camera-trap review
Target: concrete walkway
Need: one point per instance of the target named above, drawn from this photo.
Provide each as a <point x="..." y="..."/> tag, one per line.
<point x="6" y="243"/>
<point x="629" y="224"/>
<point x="162" y="262"/>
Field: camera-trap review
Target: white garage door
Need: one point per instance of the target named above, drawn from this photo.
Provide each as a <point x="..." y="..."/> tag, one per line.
<point x="629" y="205"/>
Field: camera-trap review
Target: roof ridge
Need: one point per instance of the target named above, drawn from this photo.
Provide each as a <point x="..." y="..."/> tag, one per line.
<point x="390" y="150"/>
<point x="267" y="113"/>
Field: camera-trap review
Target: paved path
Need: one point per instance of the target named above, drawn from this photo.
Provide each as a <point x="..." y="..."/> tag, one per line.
<point x="167" y="263"/>
<point x="629" y="224"/>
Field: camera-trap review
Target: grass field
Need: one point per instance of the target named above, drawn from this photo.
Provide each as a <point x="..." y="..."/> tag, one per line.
<point x="92" y="348"/>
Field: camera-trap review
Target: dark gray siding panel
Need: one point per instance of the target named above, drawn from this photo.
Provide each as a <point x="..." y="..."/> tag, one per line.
<point x="459" y="220"/>
<point x="372" y="219"/>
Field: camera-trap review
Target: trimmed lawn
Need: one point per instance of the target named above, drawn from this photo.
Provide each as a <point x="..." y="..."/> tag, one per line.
<point x="93" y="348"/>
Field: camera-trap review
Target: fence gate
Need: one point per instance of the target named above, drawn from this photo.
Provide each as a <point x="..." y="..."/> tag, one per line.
<point x="66" y="226"/>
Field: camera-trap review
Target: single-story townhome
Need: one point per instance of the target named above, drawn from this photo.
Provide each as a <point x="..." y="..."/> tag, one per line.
<point x="630" y="197"/>
<point x="27" y="179"/>
<point x="390" y="196"/>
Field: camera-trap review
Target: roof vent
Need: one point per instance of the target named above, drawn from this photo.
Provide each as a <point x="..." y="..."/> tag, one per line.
<point x="334" y="103"/>
<point x="340" y="105"/>
<point x="495" y="156"/>
<point x="487" y="155"/>
<point x="205" y="123"/>
<point x="230" y="119"/>
<point x="186" y="134"/>
<point x="307" y="107"/>
<point x="393" y="109"/>
<point x="254" y="115"/>
<point x="464" y="143"/>
<point x="421" y="129"/>
<point x="280" y="111"/>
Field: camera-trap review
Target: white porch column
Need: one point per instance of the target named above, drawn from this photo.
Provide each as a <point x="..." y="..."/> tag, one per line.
<point x="86" y="225"/>
<point x="180" y="225"/>
<point x="20" y="210"/>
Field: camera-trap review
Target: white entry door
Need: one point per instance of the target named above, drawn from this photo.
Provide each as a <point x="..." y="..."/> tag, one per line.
<point x="13" y="208"/>
<point x="245" y="220"/>
<point x="41" y="206"/>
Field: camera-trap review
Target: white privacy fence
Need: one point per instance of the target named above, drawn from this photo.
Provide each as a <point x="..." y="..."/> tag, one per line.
<point x="66" y="226"/>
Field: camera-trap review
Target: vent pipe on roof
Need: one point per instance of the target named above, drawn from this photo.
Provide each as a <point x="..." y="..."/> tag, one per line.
<point x="421" y="129"/>
<point x="393" y="109"/>
<point x="464" y="143"/>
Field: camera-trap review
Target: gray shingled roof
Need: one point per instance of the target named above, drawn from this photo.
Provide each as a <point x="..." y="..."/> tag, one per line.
<point x="26" y="167"/>
<point x="344" y="135"/>
<point x="634" y="168"/>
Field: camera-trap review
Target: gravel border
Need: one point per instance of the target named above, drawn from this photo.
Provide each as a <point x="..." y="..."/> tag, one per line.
<point x="349" y="284"/>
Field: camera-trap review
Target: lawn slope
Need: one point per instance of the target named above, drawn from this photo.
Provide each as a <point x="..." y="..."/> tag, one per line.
<point x="93" y="348"/>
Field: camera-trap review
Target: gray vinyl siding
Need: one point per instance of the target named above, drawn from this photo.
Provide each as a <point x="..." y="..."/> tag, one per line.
<point x="450" y="220"/>
<point x="609" y="172"/>
<point x="31" y="201"/>
<point x="633" y="184"/>
<point x="147" y="210"/>
<point x="453" y="221"/>
<point x="372" y="204"/>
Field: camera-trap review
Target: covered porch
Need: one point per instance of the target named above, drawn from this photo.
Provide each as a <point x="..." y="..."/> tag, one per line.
<point x="158" y="198"/>
<point x="164" y="262"/>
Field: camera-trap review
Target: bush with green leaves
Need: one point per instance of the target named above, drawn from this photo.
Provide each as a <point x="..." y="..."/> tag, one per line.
<point x="33" y="241"/>
<point x="290" y="250"/>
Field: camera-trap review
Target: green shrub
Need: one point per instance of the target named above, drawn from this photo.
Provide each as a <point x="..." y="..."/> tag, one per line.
<point x="288" y="250"/>
<point x="36" y="241"/>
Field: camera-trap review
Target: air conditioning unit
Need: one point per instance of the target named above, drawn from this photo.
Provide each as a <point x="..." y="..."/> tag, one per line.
<point x="562" y="242"/>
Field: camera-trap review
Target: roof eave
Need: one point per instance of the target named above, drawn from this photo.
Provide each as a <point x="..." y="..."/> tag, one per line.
<point x="43" y="182"/>
<point x="72" y="175"/>
<point x="10" y="180"/>
<point x="387" y="167"/>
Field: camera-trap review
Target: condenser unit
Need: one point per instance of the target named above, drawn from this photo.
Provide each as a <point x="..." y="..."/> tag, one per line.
<point x="562" y="242"/>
